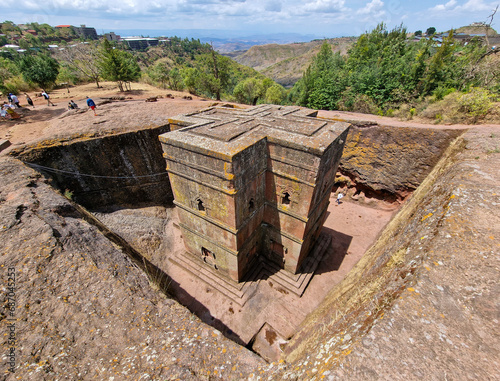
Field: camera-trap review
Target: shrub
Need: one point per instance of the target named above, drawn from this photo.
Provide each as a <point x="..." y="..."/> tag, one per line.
<point x="15" y="85"/>
<point x="350" y="101"/>
<point x="363" y="103"/>
<point x="476" y="103"/>
<point x="439" y="93"/>
<point x="446" y="110"/>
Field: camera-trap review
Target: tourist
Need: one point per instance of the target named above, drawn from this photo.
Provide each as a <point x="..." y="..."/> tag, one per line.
<point x="339" y="197"/>
<point x="46" y="96"/>
<point x="91" y="105"/>
<point x="10" y="112"/>
<point x="72" y="105"/>
<point x="14" y="100"/>
<point x="29" y="100"/>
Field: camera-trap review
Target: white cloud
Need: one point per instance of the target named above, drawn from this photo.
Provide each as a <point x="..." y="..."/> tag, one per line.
<point x="373" y="7"/>
<point x="471" y="6"/>
<point x="444" y="7"/>
<point x="325" y="6"/>
<point x="328" y="17"/>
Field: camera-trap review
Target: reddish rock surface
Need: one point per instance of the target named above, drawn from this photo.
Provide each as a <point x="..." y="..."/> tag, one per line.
<point x="84" y="311"/>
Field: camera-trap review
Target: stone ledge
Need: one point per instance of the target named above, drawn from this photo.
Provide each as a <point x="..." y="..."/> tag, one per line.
<point x="4" y="143"/>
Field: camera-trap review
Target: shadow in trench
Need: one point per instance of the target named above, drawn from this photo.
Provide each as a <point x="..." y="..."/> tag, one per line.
<point x="335" y="253"/>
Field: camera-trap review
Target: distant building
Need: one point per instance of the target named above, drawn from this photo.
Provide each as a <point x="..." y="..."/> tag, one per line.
<point x="111" y="36"/>
<point x="33" y="32"/>
<point x="10" y="47"/>
<point x="140" y="43"/>
<point x="86" y="32"/>
<point x="82" y="31"/>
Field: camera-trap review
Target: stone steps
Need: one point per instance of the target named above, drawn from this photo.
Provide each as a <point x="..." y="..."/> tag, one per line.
<point x="241" y="292"/>
<point x="297" y="283"/>
<point x="237" y="292"/>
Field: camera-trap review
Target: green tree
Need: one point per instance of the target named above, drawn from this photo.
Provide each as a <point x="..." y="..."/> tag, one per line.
<point x="213" y="74"/>
<point x="82" y="59"/>
<point x="439" y="71"/>
<point x="249" y="91"/>
<point x="40" y="69"/>
<point x="159" y="73"/>
<point x="430" y="31"/>
<point x="322" y="83"/>
<point x="67" y="75"/>
<point x="190" y="76"/>
<point x="418" y="33"/>
<point x="8" y="70"/>
<point x="378" y="65"/>
<point x="275" y="94"/>
<point x="175" y="80"/>
<point x="117" y="65"/>
<point x="23" y="43"/>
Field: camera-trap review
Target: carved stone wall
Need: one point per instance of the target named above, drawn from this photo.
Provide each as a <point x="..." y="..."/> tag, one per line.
<point x="252" y="182"/>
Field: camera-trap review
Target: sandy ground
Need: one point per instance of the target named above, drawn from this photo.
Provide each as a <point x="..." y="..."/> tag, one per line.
<point x="45" y="122"/>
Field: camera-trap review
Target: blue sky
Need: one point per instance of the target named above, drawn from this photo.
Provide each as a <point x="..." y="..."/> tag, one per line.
<point x="322" y="18"/>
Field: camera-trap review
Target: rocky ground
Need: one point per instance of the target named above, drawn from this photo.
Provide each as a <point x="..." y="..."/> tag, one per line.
<point x="440" y="321"/>
<point x="116" y="112"/>
<point x="80" y="309"/>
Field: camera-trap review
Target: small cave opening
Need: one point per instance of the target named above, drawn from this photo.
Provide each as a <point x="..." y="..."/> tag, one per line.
<point x="251" y="205"/>
<point x="200" y="205"/>
<point x="285" y="198"/>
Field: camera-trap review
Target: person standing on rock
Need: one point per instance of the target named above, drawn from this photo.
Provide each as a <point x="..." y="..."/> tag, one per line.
<point x="29" y="100"/>
<point x="91" y="105"/>
<point x="339" y="197"/>
<point x="46" y="96"/>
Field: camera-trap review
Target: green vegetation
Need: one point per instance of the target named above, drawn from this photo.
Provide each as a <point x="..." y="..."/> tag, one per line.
<point x="185" y="64"/>
<point x="40" y="69"/>
<point x="180" y="64"/>
<point x="385" y="73"/>
<point x="117" y="65"/>
<point x="250" y="90"/>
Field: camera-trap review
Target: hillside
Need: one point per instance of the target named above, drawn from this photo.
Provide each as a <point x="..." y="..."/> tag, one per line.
<point x="285" y="63"/>
<point x="476" y="30"/>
